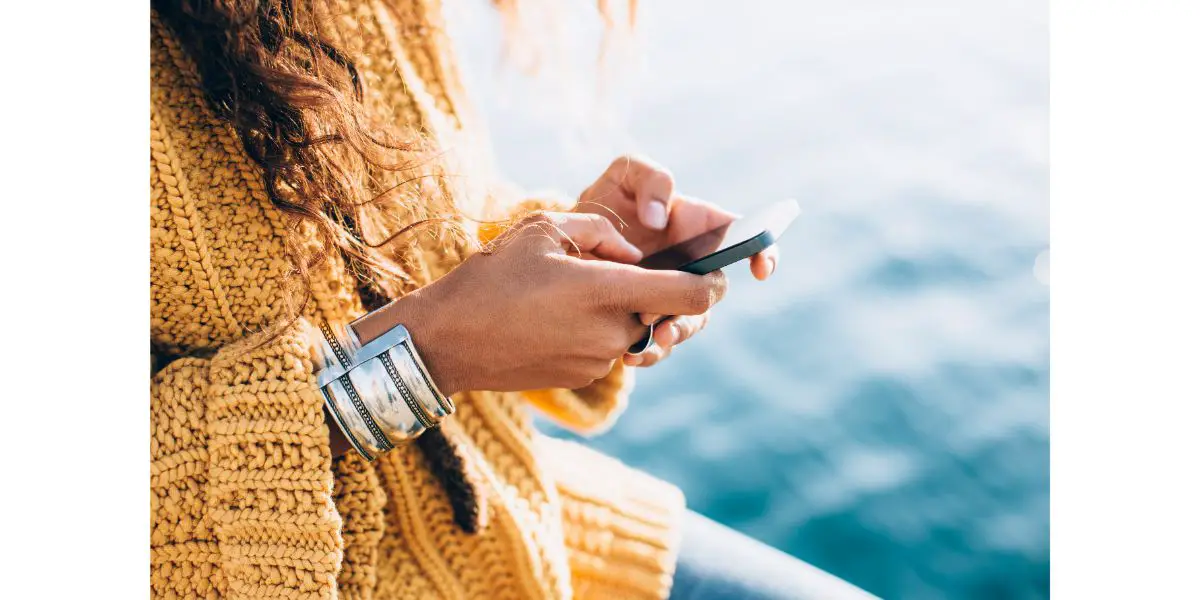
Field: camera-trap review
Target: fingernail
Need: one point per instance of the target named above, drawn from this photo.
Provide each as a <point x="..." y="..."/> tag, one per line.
<point x="654" y="214"/>
<point x="676" y="332"/>
<point x="633" y="360"/>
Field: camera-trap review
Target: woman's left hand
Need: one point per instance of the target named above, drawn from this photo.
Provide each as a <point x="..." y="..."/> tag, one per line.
<point x="639" y="197"/>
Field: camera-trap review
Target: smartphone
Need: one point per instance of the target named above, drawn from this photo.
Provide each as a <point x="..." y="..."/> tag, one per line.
<point x="718" y="248"/>
<point x="737" y="240"/>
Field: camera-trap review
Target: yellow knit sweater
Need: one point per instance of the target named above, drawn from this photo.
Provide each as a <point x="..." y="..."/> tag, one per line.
<point x="246" y="500"/>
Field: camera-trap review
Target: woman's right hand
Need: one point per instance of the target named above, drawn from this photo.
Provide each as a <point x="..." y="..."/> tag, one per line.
<point x="533" y="313"/>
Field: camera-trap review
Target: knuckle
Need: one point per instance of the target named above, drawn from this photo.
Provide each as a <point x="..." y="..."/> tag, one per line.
<point x="616" y="345"/>
<point x="661" y="177"/>
<point x="717" y="284"/>
<point x="600" y="225"/>
<point x="615" y="340"/>
<point x="719" y="281"/>
<point x="699" y="299"/>
<point x="600" y="370"/>
<point x="578" y="380"/>
<point x="685" y="327"/>
<point x="619" y="167"/>
<point x="537" y="226"/>
<point x="648" y="169"/>
<point x="624" y="160"/>
<point x="538" y="218"/>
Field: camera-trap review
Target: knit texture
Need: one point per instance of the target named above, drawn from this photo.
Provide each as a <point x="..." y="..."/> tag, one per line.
<point x="246" y="500"/>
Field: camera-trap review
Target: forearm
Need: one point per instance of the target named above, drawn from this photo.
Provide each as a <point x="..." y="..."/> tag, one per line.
<point x="434" y="332"/>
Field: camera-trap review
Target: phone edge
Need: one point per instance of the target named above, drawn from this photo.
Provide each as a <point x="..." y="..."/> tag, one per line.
<point x="749" y="247"/>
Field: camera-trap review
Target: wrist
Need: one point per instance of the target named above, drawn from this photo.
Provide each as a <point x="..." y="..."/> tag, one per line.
<point x="338" y="444"/>
<point x="432" y="331"/>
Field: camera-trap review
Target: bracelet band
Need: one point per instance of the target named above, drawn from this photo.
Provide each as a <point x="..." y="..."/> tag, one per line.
<point x="384" y="400"/>
<point x="343" y="399"/>
<point x="419" y="411"/>
<point x="349" y="431"/>
<point x="441" y="403"/>
<point x="380" y="394"/>
<point x="337" y="347"/>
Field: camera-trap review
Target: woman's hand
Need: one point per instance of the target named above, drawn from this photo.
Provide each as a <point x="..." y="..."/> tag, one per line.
<point x="638" y="196"/>
<point x="532" y="314"/>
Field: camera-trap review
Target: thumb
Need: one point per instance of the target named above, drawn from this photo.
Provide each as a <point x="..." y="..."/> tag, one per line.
<point x="665" y="292"/>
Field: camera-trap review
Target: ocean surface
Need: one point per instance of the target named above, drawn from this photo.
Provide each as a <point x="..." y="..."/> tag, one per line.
<point x="880" y="407"/>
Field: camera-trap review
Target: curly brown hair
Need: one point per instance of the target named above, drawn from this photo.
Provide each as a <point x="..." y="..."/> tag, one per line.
<point x="295" y="101"/>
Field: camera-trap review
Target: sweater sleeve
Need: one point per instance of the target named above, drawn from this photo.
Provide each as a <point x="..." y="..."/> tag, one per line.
<point x="621" y="527"/>
<point x="589" y="410"/>
<point x="241" y="481"/>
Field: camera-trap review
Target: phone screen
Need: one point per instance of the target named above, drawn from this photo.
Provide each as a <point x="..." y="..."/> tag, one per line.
<point x="772" y="219"/>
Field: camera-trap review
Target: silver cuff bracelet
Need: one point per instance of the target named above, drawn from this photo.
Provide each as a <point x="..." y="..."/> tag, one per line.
<point x="380" y="394"/>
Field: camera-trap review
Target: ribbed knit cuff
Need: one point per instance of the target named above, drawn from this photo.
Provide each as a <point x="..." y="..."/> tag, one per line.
<point x="360" y="500"/>
<point x="270" y="493"/>
<point x="183" y="556"/>
<point x="622" y="527"/>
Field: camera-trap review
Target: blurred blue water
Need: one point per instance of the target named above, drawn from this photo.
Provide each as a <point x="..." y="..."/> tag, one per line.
<point x="879" y="408"/>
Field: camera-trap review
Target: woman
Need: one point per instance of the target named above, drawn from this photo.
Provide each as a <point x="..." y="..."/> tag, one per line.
<point x="313" y="164"/>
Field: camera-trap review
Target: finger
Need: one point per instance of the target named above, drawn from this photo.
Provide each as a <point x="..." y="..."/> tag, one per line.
<point x="595" y="235"/>
<point x="763" y="264"/>
<point x="676" y="330"/>
<point x="653" y="358"/>
<point x="666" y="334"/>
<point x="647" y="358"/>
<point x="651" y="185"/>
<point x="664" y="292"/>
<point x="691" y="215"/>
<point x="693" y="326"/>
